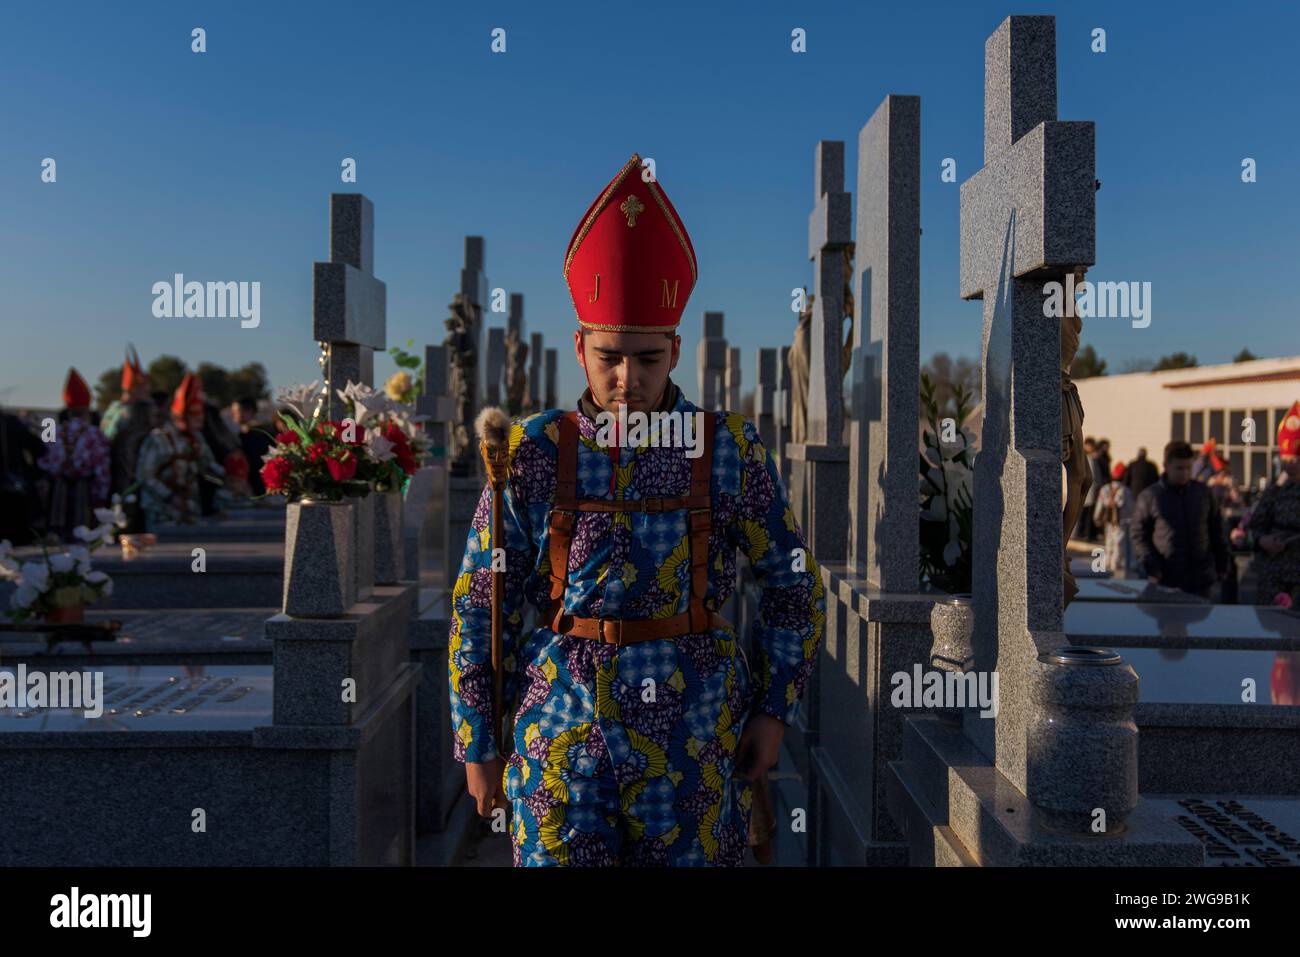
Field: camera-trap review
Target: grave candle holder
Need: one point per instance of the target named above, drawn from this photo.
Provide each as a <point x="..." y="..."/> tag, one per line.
<point x="320" y="552"/>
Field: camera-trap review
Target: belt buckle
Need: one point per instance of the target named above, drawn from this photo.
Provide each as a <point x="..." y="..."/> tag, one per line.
<point x="618" y="630"/>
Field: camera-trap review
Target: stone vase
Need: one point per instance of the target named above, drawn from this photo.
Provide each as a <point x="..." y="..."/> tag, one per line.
<point x="363" y="518"/>
<point x="952" y="623"/>
<point x="319" y="555"/>
<point x="390" y="546"/>
<point x="1082" y="740"/>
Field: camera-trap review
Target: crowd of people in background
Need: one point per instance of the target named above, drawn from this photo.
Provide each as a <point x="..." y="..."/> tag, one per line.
<point x="1184" y="525"/>
<point x="163" y="457"/>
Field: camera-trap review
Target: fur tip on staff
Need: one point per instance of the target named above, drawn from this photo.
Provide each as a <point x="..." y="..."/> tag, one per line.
<point x="493" y="429"/>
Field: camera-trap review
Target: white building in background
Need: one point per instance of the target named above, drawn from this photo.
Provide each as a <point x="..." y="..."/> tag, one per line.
<point x="1148" y="409"/>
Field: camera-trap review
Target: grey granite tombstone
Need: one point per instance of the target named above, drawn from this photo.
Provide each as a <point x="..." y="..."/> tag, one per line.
<point x="886" y="358"/>
<point x="536" y="358"/>
<point x="552" y="364"/>
<point x="782" y="412"/>
<point x="348" y="302"/>
<point x="765" y="393"/>
<point x="819" y="470"/>
<point x="712" y="362"/>
<point x="474" y="287"/>
<point x="435" y="403"/>
<point x="496" y="364"/>
<point x="732" y="379"/>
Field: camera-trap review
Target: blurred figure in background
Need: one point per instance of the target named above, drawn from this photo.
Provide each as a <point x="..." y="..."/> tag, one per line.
<point x="1178" y="536"/>
<point x="20" y="504"/>
<point x="1140" y="473"/>
<point x="1112" y="514"/>
<point x="127" y="423"/>
<point x="78" y="463"/>
<point x="175" y="460"/>
<point x="1275" y="522"/>
<point x="254" y="439"/>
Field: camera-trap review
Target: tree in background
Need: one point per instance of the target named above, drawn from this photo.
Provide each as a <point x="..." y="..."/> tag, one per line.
<point x="220" y="385"/>
<point x="165" y="374"/>
<point x="1245" y="355"/>
<point x="946" y="375"/>
<point x="1179" y="360"/>
<point x="1087" y="364"/>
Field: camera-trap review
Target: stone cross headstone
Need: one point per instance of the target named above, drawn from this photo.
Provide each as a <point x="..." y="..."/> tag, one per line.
<point x="496" y="364"/>
<point x="765" y="393"/>
<point x="536" y="358"/>
<point x="712" y="362"/>
<point x="552" y="365"/>
<point x="883" y="536"/>
<point x="732" y="379"/>
<point x="435" y="401"/>
<point x="474" y="287"/>
<point x="348" y="302"/>
<point x="1027" y="217"/>
<point x="818" y="470"/>
<point x="783" y="412"/>
<point x="829" y="232"/>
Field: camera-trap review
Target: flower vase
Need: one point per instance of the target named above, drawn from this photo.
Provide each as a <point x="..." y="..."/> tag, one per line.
<point x="320" y="553"/>
<point x="952" y="623"/>
<point x="363" y="518"/>
<point x="390" y="560"/>
<point x="66" y="615"/>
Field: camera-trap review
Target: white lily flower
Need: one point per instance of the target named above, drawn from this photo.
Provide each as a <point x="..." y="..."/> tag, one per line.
<point x="95" y="577"/>
<point x="84" y="534"/>
<point x="63" y="562"/>
<point x="81" y="555"/>
<point x="35" y="574"/>
<point x="381" y="450"/>
<point x="24" y="596"/>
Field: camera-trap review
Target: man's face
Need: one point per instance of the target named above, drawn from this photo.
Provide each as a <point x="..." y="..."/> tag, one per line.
<point x="1178" y="471"/>
<point x="631" y="368"/>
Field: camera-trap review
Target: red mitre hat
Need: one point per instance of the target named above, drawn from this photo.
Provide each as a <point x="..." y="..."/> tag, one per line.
<point x="76" y="394"/>
<point x="1288" y="433"/>
<point x="132" y="372"/>
<point x="630" y="266"/>
<point x="188" y="399"/>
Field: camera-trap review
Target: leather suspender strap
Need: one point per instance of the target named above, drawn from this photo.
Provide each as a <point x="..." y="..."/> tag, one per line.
<point x="697" y="618"/>
<point x="562" y="519"/>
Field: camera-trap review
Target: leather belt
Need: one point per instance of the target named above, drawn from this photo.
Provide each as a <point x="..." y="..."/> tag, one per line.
<point x="620" y="632"/>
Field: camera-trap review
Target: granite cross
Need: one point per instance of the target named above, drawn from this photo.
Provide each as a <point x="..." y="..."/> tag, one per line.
<point x="1027" y="217"/>
<point x="883" y="537"/>
<point x="348" y="302"/>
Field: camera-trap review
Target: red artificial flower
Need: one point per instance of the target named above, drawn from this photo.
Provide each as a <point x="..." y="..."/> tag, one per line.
<point x="342" y="469"/>
<point x="275" y="473"/>
<point x="394" y="434"/>
<point x="406" y="462"/>
<point x="316" y="451"/>
<point x="288" y="438"/>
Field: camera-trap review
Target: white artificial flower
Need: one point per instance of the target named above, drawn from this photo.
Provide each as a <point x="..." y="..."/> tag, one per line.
<point x="107" y="588"/>
<point x="82" y="533"/>
<point x="381" y="450"/>
<point x="9" y="570"/>
<point x="81" y="555"/>
<point x="298" y="397"/>
<point x="111" y="516"/>
<point x="24" y="596"/>
<point x="35" y="574"/>
<point x="63" y="562"/>
<point x="95" y="577"/>
<point x="952" y="552"/>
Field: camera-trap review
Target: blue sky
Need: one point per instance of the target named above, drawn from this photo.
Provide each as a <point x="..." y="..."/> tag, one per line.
<point x="219" y="165"/>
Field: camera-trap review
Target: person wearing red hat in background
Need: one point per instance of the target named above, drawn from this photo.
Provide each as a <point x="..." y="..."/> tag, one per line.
<point x="1112" y="513"/>
<point x="1275" y="522"/>
<point x="640" y="736"/>
<point x="77" y="462"/>
<point x="174" y="459"/>
<point x="126" y="424"/>
<point x="1207" y="464"/>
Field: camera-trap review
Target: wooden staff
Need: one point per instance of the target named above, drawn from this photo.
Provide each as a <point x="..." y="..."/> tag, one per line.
<point x="493" y="428"/>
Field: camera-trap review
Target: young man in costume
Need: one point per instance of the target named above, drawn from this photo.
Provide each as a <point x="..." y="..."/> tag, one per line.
<point x="126" y="424"/>
<point x="174" y="459"/>
<point x="638" y="728"/>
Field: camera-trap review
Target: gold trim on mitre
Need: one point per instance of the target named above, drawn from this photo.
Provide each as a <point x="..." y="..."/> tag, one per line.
<point x="601" y="327"/>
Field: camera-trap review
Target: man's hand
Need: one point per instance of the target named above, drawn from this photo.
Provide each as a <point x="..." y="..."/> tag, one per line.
<point x="760" y="746"/>
<point x="483" y="781"/>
